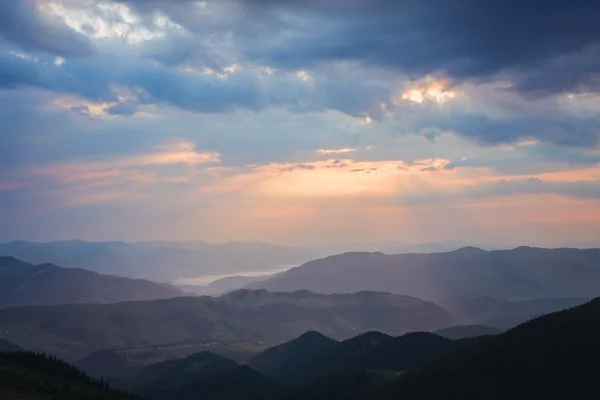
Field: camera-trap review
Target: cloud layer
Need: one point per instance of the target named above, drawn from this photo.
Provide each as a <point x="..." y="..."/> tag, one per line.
<point x="172" y="117"/>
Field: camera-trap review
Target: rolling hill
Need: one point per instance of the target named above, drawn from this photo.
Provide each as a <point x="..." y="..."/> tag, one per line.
<point x="25" y="284"/>
<point x="310" y="366"/>
<point x="169" y="375"/>
<point x="125" y="363"/>
<point x="76" y="330"/>
<point x="309" y="358"/>
<point x="283" y="360"/>
<point x="521" y="274"/>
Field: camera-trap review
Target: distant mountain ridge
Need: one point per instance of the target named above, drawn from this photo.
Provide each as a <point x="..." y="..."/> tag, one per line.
<point x="75" y="330"/>
<point x="159" y="261"/>
<point x="23" y="284"/>
<point x="519" y="274"/>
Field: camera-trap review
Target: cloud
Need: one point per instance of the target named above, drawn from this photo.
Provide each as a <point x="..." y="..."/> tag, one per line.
<point x="374" y="68"/>
<point x="588" y="189"/>
<point x="22" y="24"/>
<point x="175" y="153"/>
<point x="246" y="113"/>
<point x="530" y="45"/>
<point x="464" y="40"/>
<point x="201" y="91"/>
<point x="336" y="151"/>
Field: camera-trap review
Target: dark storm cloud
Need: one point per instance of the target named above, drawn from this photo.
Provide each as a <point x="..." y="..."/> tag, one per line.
<point x="22" y="24"/>
<point x="94" y="79"/>
<point x="88" y="78"/>
<point x="545" y="47"/>
<point x="560" y="129"/>
<point x="357" y="55"/>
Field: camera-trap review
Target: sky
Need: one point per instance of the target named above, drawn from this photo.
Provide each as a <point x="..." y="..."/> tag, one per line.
<point x="300" y="121"/>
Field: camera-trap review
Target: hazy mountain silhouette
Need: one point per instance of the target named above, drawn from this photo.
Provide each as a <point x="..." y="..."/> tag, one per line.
<point x="519" y="274"/>
<point x="25" y="284"/>
<point x="224" y="285"/>
<point x="75" y="330"/>
<point x="160" y="261"/>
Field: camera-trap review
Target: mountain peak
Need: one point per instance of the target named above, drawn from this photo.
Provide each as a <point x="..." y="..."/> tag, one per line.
<point x="7" y="261"/>
<point x="311" y="336"/>
<point x="470" y="250"/>
<point x="366" y="340"/>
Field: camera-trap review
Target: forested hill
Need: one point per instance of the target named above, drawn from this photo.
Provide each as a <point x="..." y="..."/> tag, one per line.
<point x="552" y="357"/>
<point x="29" y="376"/>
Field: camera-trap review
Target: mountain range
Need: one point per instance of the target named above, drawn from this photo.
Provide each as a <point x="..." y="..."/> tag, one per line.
<point x="523" y="273"/>
<point x="173" y="261"/>
<point x="287" y="369"/>
<point x="159" y="261"/>
<point x="551" y="357"/>
<point x="75" y="330"/>
<point x="313" y="356"/>
<point x="555" y="356"/>
<point x="25" y="284"/>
